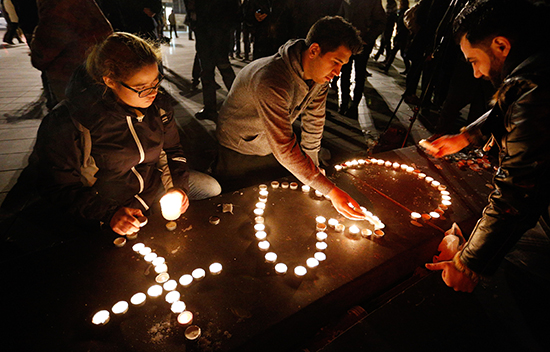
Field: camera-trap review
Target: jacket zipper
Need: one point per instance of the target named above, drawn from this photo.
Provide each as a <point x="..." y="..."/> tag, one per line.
<point x="141" y="155"/>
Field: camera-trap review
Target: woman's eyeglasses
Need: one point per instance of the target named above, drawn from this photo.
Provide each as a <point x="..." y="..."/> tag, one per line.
<point x="144" y="92"/>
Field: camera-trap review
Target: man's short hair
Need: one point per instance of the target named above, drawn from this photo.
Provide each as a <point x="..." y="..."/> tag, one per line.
<point x="517" y="20"/>
<point x="330" y="32"/>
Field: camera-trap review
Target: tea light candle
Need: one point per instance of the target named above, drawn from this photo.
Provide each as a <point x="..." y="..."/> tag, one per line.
<point x="172" y="296"/>
<point x="320" y="256"/>
<point x="318" y="194"/>
<point x="198" y="274"/>
<point x="354" y="230"/>
<point x="300" y="271"/>
<point x="258" y="211"/>
<point x="263" y="245"/>
<point x="101" y="318"/>
<point x="259" y="227"/>
<point x="415" y="215"/>
<point x="170" y="285"/>
<point x="429" y="179"/>
<point x="170" y="205"/>
<point x="186" y="280"/>
<point x="280" y="268"/>
<point x="378" y="233"/>
<point x="261" y="235"/>
<point x="321" y="227"/>
<point x="293" y="185"/>
<point x="434" y="215"/>
<point x="446" y="202"/>
<point x="321" y="246"/>
<point x="445" y="193"/>
<point x="154" y="291"/>
<point x="337" y="167"/>
<point x="138" y="299"/>
<point x="161" y="268"/>
<point x="162" y="278"/>
<point x="332" y="223"/>
<point x="264" y="193"/>
<point x="120" y="307"/>
<point x="320" y="220"/>
<point x="442" y="187"/>
<point x="150" y="257"/>
<point x="193" y="332"/>
<point x="119" y="242"/>
<point x="409" y="169"/>
<point x="340" y="227"/>
<point x="270" y="257"/>
<point x="275" y="184"/>
<point x="260" y="205"/>
<point x="388" y="163"/>
<point x="321" y="236"/>
<point x="132" y="236"/>
<point x="284" y="185"/>
<point x="312" y="262"/>
<point x="215" y="268"/>
<point x="366" y="233"/>
<point x="263" y="187"/>
<point x="380" y="162"/>
<point x="426" y="217"/>
<point x="145" y="250"/>
<point x="396" y="165"/>
<point x="348" y="163"/>
<point x="259" y="220"/>
<point x="138" y="247"/>
<point x="185" y="317"/>
<point x="435" y="184"/>
<point x="158" y="261"/>
<point x="306" y="188"/>
<point x="262" y="199"/>
<point x="177" y="306"/>
<point x="421" y="176"/>
<point x="171" y="225"/>
<point x="446" y="197"/>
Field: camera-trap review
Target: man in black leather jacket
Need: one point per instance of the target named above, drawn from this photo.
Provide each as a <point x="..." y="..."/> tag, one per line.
<point x="500" y="39"/>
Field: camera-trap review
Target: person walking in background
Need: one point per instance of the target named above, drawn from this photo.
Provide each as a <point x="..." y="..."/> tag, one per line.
<point x="386" y="39"/>
<point x="401" y="40"/>
<point x="369" y="17"/>
<point x="173" y="24"/>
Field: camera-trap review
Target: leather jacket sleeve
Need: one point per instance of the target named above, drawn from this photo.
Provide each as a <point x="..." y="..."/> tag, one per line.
<point x="522" y="183"/>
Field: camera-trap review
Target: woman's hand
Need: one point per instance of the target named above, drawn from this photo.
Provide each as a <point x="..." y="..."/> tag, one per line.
<point x="345" y="205"/>
<point x="125" y="221"/>
<point x="452" y="277"/>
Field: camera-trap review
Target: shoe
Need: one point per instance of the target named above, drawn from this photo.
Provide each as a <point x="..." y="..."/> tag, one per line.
<point x="353" y="112"/>
<point x="207" y="114"/>
<point x="194" y="84"/>
<point x="368" y="74"/>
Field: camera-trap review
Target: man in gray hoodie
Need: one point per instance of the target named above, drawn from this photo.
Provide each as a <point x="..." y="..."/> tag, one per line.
<point x="255" y="122"/>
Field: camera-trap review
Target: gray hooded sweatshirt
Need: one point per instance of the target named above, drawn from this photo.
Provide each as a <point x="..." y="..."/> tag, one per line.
<point x="267" y="96"/>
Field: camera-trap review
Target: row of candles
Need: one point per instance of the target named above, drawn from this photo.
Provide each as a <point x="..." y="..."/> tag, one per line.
<point x="445" y="195"/>
<point x="321" y="227"/>
<point x="163" y="284"/>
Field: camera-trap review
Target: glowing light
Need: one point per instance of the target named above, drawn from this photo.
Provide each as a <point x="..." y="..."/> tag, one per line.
<point x="300" y="271"/>
<point x="138" y="299"/>
<point x="306" y="188"/>
<point x="177" y="306"/>
<point x="172" y="296"/>
<point x="198" y="274"/>
<point x="161" y="268"/>
<point x="162" y="278"/>
<point x="263" y="245"/>
<point x="354" y="230"/>
<point x="259" y="227"/>
<point x="138" y="247"/>
<point x="158" y="261"/>
<point x="215" y="268"/>
<point x="261" y="235"/>
<point x="150" y="257"/>
<point x="170" y="205"/>
<point x="312" y="262"/>
<point x="185" y="317"/>
<point x="145" y="250"/>
<point x="321" y="236"/>
<point x="186" y="280"/>
<point x="101" y="318"/>
<point x="321" y="246"/>
<point x="154" y="291"/>
<point x="170" y="285"/>
<point x="320" y="256"/>
<point x="120" y="307"/>
<point x="280" y="268"/>
<point x="259" y="211"/>
<point x="320" y="219"/>
<point x="332" y="222"/>
<point x="270" y="257"/>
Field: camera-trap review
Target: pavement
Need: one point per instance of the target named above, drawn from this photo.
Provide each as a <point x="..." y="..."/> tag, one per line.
<point x="22" y="107"/>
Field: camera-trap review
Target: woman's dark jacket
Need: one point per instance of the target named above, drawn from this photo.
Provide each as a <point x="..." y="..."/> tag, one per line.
<point x="520" y="124"/>
<point x="125" y="146"/>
